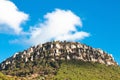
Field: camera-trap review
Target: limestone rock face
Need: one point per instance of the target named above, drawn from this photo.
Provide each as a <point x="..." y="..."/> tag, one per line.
<point x="58" y="50"/>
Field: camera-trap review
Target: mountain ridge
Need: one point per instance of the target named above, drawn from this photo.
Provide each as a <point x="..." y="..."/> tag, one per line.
<point x="45" y="59"/>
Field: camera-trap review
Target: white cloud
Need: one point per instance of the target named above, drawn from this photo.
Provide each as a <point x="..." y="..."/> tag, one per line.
<point x="58" y="25"/>
<point x="10" y="17"/>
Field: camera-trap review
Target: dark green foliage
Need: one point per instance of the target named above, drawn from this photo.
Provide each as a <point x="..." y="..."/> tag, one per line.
<point x="42" y="67"/>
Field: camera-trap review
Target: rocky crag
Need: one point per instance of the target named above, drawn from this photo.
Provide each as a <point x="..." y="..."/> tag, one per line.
<point x="57" y="50"/>
<point x="51" y="52"/>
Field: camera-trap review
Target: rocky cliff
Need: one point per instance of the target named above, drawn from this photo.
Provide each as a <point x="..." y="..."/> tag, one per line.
<point x="57" y="50"/>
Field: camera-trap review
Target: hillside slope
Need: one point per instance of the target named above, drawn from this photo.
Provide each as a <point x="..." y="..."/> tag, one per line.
<point x="75" y="70"/>
<point x="46" y="60"/>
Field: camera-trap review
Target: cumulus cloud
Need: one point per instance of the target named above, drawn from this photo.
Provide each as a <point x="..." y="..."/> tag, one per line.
<point x="10" y="17"/>
<point x="57" y="25"/>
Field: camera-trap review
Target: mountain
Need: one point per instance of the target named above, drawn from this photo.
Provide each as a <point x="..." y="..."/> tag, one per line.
<point x="46" y="60"/>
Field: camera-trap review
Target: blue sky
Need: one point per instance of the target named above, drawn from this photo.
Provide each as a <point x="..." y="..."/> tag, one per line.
<point x="29" y="22"/>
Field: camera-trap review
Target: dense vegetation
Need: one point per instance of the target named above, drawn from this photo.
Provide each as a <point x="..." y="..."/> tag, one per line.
<point x="74" y="70"/>
<point x="70" y="70"/>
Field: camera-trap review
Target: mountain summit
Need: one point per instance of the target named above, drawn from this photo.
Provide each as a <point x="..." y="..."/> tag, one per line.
<point x="50" y="54"/>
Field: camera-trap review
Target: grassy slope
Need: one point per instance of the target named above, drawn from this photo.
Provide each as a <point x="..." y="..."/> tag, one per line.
<point x="87" y="71"/>
<point x="76" y="70"/>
